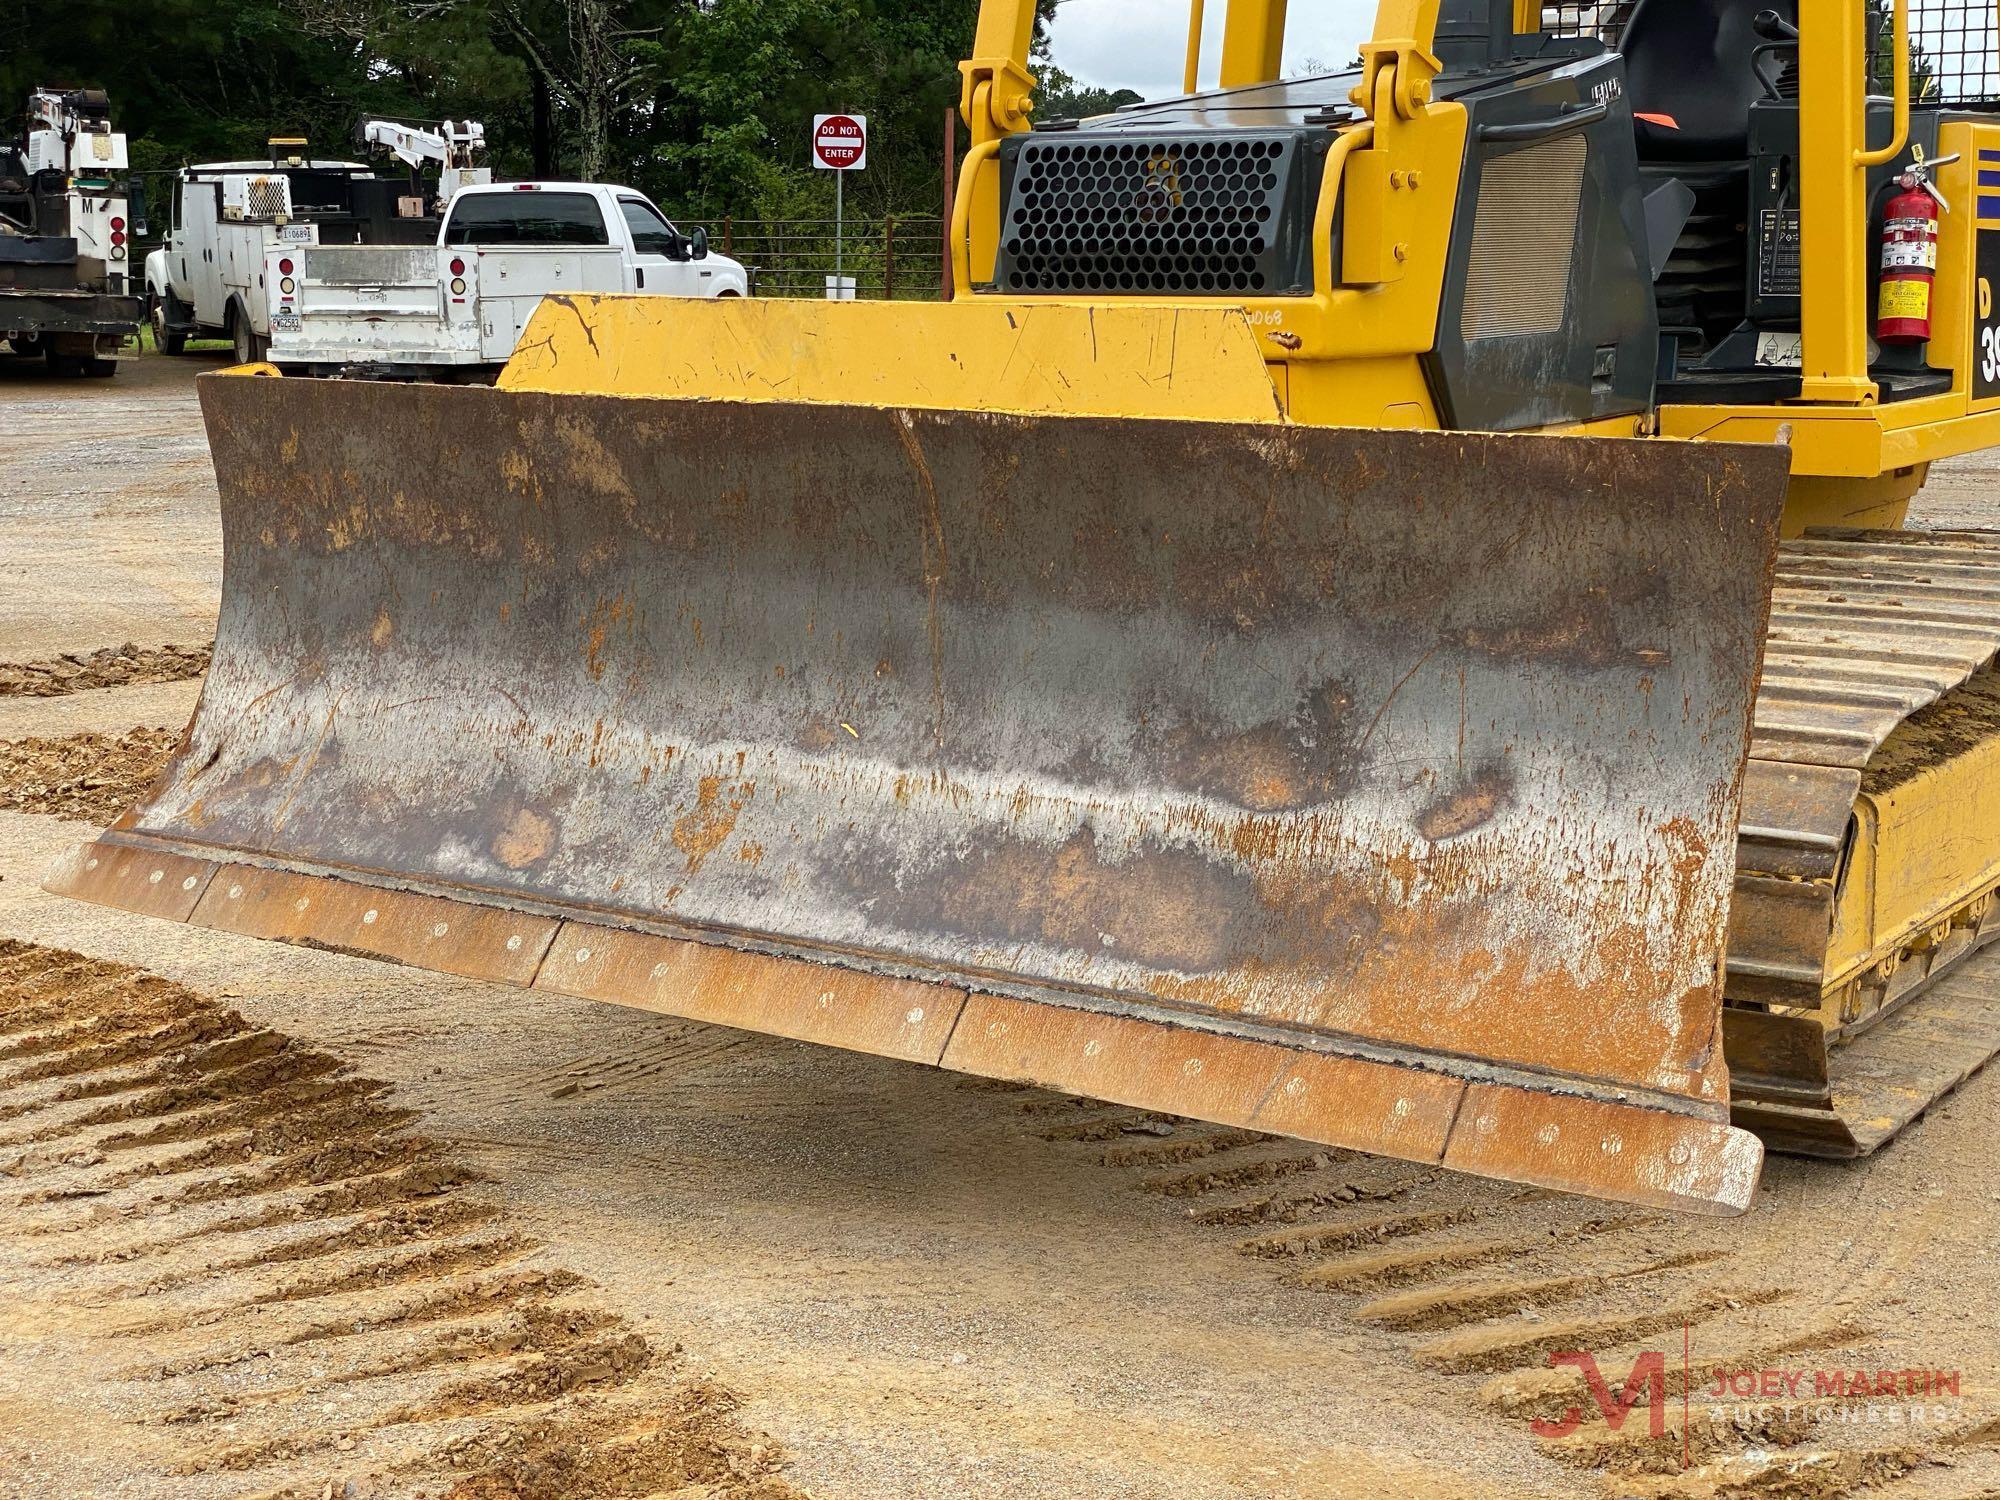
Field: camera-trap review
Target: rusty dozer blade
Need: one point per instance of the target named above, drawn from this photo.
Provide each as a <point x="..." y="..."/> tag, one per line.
<point x="1373" y="788"/>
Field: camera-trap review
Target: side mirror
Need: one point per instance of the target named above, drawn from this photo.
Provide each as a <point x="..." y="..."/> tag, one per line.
<point x="698" y="245"/>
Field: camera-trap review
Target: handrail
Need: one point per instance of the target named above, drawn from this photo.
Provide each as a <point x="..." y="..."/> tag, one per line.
<point x="1899" y="137"/>
<point x="1569" y="117"/>
<point x="1345" y="144"/>
<point x="961" y="212"/>
<point x="1195" y="20"/>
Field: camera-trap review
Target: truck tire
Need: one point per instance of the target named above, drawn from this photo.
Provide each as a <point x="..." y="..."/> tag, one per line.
<point x="66" y="366"/>
<point x="167" y="311"/>
<point x="250" y="349"/>
<point x="100" y="369"/>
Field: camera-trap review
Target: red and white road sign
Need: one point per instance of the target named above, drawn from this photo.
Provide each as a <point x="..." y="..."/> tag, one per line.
<point x="840" y="142"/>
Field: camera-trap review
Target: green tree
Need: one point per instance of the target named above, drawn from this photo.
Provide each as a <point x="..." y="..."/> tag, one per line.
<point x="1060" y="97"/>
<point x="705" y="103"/>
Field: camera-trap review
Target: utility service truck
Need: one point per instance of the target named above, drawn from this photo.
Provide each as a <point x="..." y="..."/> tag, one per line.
<point x="455" y="310"/>
<point x="65" y="220"/>
<point x="207" y="280"/>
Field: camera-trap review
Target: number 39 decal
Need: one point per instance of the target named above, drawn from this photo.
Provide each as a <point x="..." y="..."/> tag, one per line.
<point x="1989" y="337"/>
<point x="1986" y="319"/>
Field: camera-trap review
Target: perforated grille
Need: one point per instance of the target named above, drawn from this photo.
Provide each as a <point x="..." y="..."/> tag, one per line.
<point x="1110" y="214"/>
<point x="268" y="198"/>
<point x="1523" y="240"/>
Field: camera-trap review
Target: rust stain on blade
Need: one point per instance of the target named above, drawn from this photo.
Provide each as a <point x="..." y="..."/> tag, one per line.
<point x="150" y="882"/>
<point x="1340" y="1101"/>
<point x="428" y="932"/>
<point x="1589" y="1146"/>
<point x="902" y="1018"/>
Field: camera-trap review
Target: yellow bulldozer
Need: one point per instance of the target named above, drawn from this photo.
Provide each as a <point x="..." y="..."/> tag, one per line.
<point x="1379" y="612"/>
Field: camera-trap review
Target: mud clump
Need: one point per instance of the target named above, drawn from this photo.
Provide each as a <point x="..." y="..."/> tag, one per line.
<point x="693" y="1447"/>
<point x="113" y="666"/>
<point x="91" y="778"/>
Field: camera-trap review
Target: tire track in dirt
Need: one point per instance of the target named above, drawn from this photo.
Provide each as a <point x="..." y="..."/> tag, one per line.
<point x="232" y="1221"/>
<point x="682" y="1049"/>
<point x="112" y="666"/>
<point x="1483" y="1284"/>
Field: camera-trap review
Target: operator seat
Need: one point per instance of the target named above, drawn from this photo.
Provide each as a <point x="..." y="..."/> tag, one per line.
<point x="1694" y="61"/>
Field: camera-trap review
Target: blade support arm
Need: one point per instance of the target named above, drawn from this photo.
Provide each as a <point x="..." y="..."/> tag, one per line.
<point x="998" y="94"/>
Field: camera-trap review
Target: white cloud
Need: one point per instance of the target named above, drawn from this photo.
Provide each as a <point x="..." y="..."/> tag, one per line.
<point x="1142" y="44"/>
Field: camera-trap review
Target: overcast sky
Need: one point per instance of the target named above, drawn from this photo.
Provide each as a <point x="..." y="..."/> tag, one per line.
<point x="1142" y="44"/>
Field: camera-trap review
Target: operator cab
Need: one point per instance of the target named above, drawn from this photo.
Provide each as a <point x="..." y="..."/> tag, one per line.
<point x="1714" y="88"/>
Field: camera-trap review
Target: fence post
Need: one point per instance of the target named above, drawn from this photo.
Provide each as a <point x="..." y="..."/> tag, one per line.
<point x="889" y="259"/>
<point x="728" y="234"/>
<point x="950" y="191"/>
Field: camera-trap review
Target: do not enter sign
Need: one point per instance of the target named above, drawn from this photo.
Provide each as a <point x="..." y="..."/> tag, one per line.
<point x="840" y="142"/>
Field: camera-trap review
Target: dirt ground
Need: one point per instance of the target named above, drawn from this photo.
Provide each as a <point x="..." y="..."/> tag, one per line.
<point x="275" y="1221"/>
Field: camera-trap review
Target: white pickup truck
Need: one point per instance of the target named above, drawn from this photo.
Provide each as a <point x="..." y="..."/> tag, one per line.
<point x="455" y="310"/>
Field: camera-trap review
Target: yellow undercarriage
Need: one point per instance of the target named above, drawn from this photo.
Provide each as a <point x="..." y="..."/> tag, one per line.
<point x="1924" y="860"/>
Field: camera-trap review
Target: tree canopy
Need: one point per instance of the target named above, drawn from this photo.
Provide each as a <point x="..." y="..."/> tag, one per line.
<point x="705" y="104"/>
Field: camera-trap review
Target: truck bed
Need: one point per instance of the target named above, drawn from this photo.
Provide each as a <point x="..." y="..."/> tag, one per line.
<point x="385" y="306"/>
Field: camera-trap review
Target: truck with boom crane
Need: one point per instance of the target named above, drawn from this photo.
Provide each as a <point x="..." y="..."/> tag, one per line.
<point x="208" y="279"/>
<point x="66" y="223"/>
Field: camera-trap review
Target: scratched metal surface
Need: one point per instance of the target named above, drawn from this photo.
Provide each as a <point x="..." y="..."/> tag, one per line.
<point x="1421" y="740"/>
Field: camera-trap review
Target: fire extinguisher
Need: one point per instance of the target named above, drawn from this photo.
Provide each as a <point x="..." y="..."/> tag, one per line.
<point x="1909" y="255"/>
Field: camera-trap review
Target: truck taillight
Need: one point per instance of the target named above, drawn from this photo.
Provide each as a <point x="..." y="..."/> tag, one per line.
<point x="287" y="285"/>
<point x="285" y="268"/>
<point x="458" y="286"/>
<point x="117" y="225"/>
<point x="457" y="266"/>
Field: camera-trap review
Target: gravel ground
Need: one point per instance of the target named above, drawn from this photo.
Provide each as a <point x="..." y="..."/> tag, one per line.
<point x="107" y="507"/>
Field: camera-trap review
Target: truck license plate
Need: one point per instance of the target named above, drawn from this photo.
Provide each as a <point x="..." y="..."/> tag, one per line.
<point x="284" y="322"/>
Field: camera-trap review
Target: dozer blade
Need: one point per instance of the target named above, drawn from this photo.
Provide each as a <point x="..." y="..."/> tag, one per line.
<point x="1374" y="788"/>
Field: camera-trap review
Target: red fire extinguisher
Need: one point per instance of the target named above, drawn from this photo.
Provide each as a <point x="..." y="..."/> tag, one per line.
<point x="1909" y="256"/>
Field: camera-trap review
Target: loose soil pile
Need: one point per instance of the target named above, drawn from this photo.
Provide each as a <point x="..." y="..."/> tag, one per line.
<point x="90" y="777"/>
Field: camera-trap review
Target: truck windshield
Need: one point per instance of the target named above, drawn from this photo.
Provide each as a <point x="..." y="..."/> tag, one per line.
<point x="526" y="219"/>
